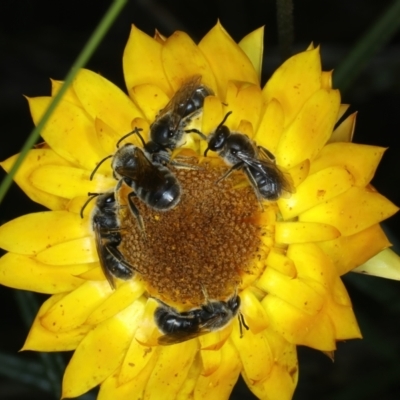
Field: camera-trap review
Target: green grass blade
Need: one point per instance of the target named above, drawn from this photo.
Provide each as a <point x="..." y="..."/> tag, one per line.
<point x="82" y="59"/>
<point x="380" y="33"/>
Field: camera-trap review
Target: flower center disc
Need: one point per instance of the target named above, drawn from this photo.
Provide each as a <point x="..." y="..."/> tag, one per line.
<point x="203" y="246"/>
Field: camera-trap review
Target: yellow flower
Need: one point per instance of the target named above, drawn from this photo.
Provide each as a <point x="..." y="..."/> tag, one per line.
<point x="284" y="259"/>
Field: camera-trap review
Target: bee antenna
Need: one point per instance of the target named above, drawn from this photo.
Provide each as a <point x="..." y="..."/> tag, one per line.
<point x="223" y="121"/>
<point x="92" y="196"/>
<point x="213" y="135"/>
<point x="98" y="166"/>
<point x="201" y="134"/>
<point x="135" y="131"/>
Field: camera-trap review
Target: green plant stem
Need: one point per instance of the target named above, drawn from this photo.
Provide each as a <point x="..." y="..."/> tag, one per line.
<point x="82" y="59"/>
<point x="377" y="36"/>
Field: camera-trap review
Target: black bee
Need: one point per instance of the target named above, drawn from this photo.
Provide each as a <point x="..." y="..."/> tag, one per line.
<point x="153" y="183"/>
<point x="178" y="326"/>
<point x="168" y="130"/>
<point x="107" y="230"/>
<point x="258" y="163"/>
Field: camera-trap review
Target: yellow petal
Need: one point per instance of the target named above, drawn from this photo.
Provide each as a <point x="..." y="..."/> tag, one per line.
<point x="385" y="264"/>
<point x="23" y="272"/>
<point x="211" y="360"/>
<point x="102" y="99"/>
<point x="336" y="320"/>
<point x="342" y="110"/>
<point x="317" y="188"/>
<point x="244" y="100"/>
<point x="294" y="82"/>
<point x="322" y="273"/>
<point x="215" y="340"/>
<point x="281" y="263"/>
<point x="360" y="160"/>
<point x="282" y="380"/>
<point x="170" y="371"/>
<point x="69" y="95"/>
<point x="344" y="321"/>
<point x="254" y="352"/>
<point x="147" y="333"/>
<point x="303" y="232"/>
<point x="295" y="292"/>
<point x="280" y="385"/>
<point x="254" y="314"/>
<point x="299" y="172"/>
<point x="67" y="126"/>
<point x="179" y="46"/>
<point x="224" y="57"/>
<point x="297" y="327"/>
<point x="121" y="298"/>
<point x="344" y="132"/>
<point x="310" y="129"/>
<point x="41" y="339"/>
<point x="35" y="159"/>
<point x="78" y="251"/>
<point x="253" y="45"/>
<point x="150" y="98"/>
<point x="136" y="72"/>
<point x="352" y="211"/>
<point x="137" y="355"/>
<point x="219" y="385"/>
<point x="212" y="117"/>
<point x="246" y="128"/>
<point x="326" y="79"/>
<point x="187" y="388"/>
<point x="271" y="126"/>
<point x="108" y="138"/>
<point x="105" y="347"/>
<point x="348" y="252"/>
<point x="69" y="182"/>
<point x="111" y="389"/>
<point x="33" y="233"/>
<point x="94" y="274"/>
<point x="73" y="309"/>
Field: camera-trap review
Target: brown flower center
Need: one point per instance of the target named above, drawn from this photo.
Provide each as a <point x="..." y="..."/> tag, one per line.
<point x="203" y="246"/>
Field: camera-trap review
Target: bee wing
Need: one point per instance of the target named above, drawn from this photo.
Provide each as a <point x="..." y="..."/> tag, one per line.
<point x="270" y="170"/>
<point x="181" y="98"/>
<point x="143" y="173"/>
<point x="103" y="253"/>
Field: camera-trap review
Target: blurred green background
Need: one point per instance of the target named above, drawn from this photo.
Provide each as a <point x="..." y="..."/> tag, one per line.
<point x="41" y="39"/>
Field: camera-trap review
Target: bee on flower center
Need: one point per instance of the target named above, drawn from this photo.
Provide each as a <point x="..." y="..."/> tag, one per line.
<point x="107" y="230"/>
<point x="150" y="181"/>
<point x="258" y="163"/>
<point x="168" y="130"/>
<point x="212" y="316"/>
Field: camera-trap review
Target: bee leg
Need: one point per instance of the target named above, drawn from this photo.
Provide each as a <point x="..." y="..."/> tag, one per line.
<point x="254" y="184"/>
<point x="179" y="164"/>
<point x="135" y="212"/>
<point x="162" y="157"/>
<point x="122" y="269"/>
<point x="267" y="154"/>
<point x="242" y="324"/>
<point x="230" y="170"/>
